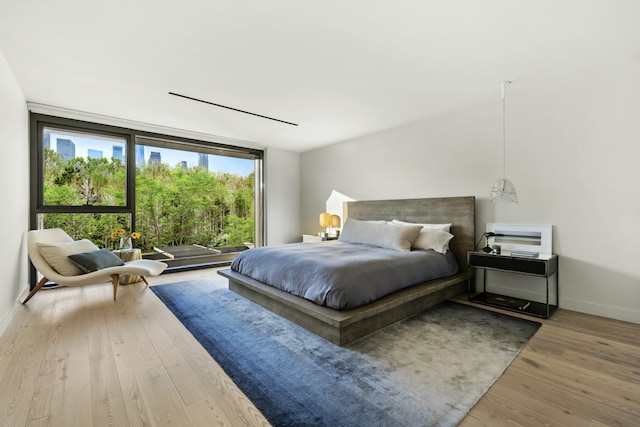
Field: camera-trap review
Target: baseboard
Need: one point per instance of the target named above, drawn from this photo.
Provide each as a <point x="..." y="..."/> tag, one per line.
<point x="4" y="323"/>
<point x="602" y="310"/>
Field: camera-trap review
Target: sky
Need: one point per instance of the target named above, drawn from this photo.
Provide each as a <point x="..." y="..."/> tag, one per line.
<point x="241" y="167"/>
<point x="234" y="165"/>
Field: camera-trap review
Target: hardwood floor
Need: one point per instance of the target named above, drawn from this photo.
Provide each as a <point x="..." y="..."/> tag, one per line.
<point x="74" y="357"/>
<point x="577" y="370"/>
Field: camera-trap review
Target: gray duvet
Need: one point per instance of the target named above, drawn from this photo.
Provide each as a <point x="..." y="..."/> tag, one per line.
<point x="342" y="275"/>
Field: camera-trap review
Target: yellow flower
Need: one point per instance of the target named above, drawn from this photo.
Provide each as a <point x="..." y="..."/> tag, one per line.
<point x="118" y="233"/>
<point x="121" y="233"/>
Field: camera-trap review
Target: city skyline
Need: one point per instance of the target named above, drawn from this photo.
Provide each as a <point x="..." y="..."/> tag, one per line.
<point x="89" y="147"/>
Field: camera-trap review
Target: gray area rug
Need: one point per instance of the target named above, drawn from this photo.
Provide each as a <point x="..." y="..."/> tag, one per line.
<point x="429" y="370"/>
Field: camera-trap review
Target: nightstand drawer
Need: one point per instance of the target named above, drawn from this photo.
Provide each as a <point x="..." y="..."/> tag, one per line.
<point x="538" y="267"/>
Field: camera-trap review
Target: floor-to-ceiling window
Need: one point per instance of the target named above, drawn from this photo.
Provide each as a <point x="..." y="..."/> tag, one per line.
<point x="196" y="201"/>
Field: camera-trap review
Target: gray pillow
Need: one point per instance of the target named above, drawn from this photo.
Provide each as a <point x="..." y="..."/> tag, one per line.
<point x="398" y="237"/>
<point x="96" y="260"/>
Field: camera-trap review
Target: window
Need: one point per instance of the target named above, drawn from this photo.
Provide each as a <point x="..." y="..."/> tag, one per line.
<point x="83" y="169"/>
<point x="91" y="179"/>
<point x="194" y="194"/>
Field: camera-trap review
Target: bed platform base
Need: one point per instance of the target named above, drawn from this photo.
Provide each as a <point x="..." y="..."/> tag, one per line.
<point x="343" y="326"/>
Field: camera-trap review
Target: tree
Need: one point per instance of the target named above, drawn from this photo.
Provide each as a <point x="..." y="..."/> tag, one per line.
<point x="96" y="181"/>
<point x="174" y="206"/>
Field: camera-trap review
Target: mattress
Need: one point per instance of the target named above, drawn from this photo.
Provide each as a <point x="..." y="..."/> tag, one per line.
<point x="342" y="275"/>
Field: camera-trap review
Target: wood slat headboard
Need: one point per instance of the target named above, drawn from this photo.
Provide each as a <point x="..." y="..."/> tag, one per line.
<point x="459" y="211"/>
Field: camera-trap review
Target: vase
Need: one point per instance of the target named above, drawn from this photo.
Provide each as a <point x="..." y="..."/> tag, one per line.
<point x="125" y="243"/>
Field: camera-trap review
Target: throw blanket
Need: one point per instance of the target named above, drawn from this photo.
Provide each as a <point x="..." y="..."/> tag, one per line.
<point x="342" y="275"/>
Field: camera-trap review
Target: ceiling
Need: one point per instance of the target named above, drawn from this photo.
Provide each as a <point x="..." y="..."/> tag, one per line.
<point x="337" y="69"/>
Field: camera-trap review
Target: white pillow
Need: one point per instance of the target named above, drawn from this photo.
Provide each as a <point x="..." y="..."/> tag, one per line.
<point x="432" y="236"/>
<point x="398" y="237"/>
<point x="438" y="240"/>
<point x="57" y="255"/>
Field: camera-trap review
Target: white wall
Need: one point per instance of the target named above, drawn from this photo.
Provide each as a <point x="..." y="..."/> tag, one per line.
<point x="573" y="146"/>
<point x="14" y="176"/>
<point x="282" y="196"/>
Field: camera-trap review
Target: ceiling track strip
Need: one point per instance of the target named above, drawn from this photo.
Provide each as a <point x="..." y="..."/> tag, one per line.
<point x="231" y="108"/>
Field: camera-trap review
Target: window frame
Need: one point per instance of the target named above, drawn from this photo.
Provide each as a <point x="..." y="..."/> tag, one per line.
<point x="37" y="123"/>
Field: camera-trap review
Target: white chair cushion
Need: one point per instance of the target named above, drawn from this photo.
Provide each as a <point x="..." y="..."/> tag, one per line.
<point x="57" y="255"/>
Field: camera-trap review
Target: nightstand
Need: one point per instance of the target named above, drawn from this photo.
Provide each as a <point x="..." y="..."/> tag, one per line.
<point x="542" y="266"/>
<point x="306" y="238"/>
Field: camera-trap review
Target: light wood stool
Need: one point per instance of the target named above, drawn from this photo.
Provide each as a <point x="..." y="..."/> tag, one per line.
<point x="128" y="255"/>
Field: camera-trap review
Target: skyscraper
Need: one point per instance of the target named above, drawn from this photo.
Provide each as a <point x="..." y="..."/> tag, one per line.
<point x="154" y="157"/>
<point x="94" y="154"/>
<point x="118" y="153"/>
<point x="183" y="165"/>
<point x="66" y="148"/>
<point x="203" y="161"/>
<point x="139" y="155"/>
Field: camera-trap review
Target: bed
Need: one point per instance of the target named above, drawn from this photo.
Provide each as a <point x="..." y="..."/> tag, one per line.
<point x="346" y="325"/>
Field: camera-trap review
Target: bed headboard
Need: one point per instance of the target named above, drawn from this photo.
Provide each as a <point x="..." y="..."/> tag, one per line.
<point x="459" y="211"/>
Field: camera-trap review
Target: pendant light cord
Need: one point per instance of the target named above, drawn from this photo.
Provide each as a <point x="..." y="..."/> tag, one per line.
<point x="504" y="129"/>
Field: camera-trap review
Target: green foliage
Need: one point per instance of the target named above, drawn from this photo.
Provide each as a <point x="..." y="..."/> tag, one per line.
<point x="174" y="206"/>
<point x="236" y="230"/>
<point x="95" y="227"/>
<point x="95" y="181"/>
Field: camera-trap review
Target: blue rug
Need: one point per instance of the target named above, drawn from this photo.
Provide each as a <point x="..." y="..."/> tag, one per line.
<point x="427" y="370"/>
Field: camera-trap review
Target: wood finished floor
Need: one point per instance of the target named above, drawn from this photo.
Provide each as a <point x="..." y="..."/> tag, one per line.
<point x="577" y="370"/>
<point x="74" y="357"/>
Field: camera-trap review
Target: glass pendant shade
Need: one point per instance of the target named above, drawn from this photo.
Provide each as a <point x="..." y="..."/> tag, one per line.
<point x="503" y="191"/>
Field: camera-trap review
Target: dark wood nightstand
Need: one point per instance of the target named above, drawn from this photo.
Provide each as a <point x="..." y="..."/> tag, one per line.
<point x="542" y="266"/>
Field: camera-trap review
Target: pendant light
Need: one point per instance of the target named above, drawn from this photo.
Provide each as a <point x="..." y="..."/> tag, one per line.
<point x="503" y="190"/>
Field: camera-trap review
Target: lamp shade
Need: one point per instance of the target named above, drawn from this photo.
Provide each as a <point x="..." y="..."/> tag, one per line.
<point x="325" y="219"/>
<point x="335" y="221"/>
<point x="504" y="191"/>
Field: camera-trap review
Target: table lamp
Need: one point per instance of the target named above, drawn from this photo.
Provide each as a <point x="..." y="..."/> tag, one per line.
<point x="325" y="222"/>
